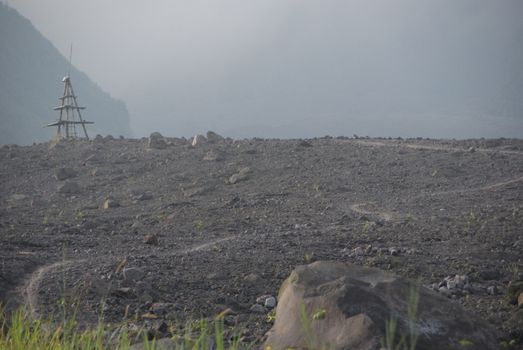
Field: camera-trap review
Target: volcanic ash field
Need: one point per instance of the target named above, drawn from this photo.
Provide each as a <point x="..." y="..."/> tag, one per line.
<point x="133" y="227"/>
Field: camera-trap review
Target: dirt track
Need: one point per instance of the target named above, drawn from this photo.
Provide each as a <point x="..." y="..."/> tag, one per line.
<point x="448" y="207"/>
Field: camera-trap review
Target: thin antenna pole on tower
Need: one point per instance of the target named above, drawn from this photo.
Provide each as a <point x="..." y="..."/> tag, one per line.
<point x="70" y="60"/>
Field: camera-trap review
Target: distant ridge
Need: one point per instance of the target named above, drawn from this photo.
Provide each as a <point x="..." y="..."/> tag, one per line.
<point x="31" y="72"/>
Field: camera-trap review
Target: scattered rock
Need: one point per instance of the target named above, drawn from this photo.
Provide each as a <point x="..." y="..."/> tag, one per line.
<point x="451" y="284"/>
<point x="454" y="286"/>
<point x="358" y="251"/>
<point x="394" y="251"/>
<point x="257" y="308"/>
<point x="252" y="277"/>
<point x="64" y="174"/>
<point x="489" y="275"/>
<point x="520" y="299"/>
<point x="304" y="143"/>
<point x="69" y="187"/>
<point x="156" y="141"/>
<point x="349" y="306"/>
<point x="213" y="137"/>
<point x="151" y="239"/>
<point x="270" y="302"/>
<point x="110" y="203"/>
<point x="242" y="175"/>
<point x="198" y="140"/>
<point x="492" y="290"/>
<point x="261" y="299"/>
<point x="213" y="156"/>
<point x="133" y="273"/>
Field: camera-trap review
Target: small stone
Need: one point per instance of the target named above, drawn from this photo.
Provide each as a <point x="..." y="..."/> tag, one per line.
<point x="394" y="251"/>
<point x="261" y="299"/>
<point x="358" y="251"/>
<point x="476" y="288"/>
<point x="491" y="290"/>
<point x="461" y="281"/>
<point x="69" y="187"/>
<point x="252" y="277"/>
<point x="212" y="156"/>
<point x="270" y="302"/>
<point x="133" y="273"/>
<point x="413" y="251"/>
<point x="151" y="239"/>
<point x="110" y="203"/>
<point x="368" y="249"/>
<point x="451" y="284"/>
<point x="198" y="140"/>
<point x="520" y="299"/>
<point x="243" y="174"/>
<point x="64" y="174"/>
<point x="257" y="308"/>
<point x="145" y="297"/>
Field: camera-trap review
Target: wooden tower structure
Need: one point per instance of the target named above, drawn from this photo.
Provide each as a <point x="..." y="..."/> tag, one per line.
<point x="69" y="114"/>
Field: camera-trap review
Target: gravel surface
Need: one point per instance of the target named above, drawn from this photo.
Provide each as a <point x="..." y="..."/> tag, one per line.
<point x="180" y="232"/>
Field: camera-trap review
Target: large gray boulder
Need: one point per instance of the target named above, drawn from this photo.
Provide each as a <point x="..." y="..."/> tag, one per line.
<point x="342" y="306"/>
<point x="156" y="141"/>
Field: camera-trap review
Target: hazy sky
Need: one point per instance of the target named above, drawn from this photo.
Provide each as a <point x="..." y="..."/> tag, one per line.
<point x="295" y="68"/>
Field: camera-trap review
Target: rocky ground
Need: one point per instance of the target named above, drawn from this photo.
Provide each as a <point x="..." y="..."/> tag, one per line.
<point x="158" y="231"/>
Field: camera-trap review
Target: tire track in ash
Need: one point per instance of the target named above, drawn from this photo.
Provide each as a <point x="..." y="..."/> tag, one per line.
<point x="475" y="189"/>
<point x="388" y="216"/>
<point x="429" y="147"/>
<point x="31" y="286"/>
<point x="209" y="244"/>
<point x="382" y="215"/>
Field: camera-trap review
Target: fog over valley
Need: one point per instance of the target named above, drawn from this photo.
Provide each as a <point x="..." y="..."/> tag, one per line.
<point x="299" y="68"/>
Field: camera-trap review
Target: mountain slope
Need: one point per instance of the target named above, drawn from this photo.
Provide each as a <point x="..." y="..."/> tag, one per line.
<point x="31" y="71"/>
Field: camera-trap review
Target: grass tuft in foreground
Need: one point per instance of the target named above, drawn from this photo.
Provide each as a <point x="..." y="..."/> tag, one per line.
<point x="19" y="331"/>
